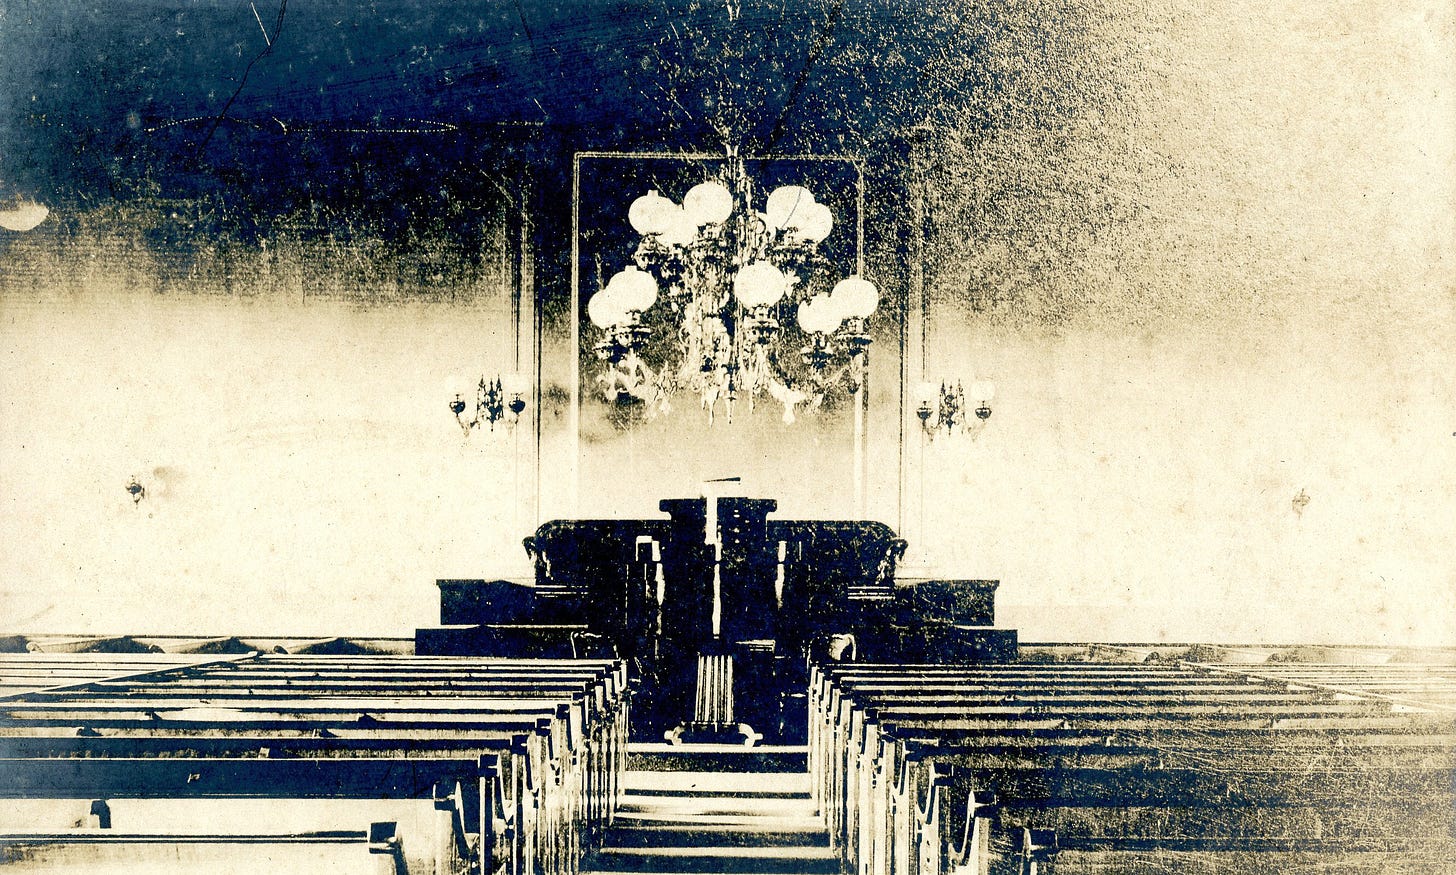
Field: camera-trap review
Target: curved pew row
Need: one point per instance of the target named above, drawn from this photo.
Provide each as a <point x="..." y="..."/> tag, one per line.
<point x="515" y="763"/>
<point x="931" y="769"/>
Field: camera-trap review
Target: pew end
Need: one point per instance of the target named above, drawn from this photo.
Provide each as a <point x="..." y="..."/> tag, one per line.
<point x="1034" y="848"/>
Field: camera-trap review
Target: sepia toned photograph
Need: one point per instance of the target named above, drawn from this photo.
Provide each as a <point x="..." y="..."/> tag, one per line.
<point x="762" y="437"/>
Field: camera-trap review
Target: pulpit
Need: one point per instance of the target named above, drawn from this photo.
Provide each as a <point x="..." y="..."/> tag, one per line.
<point x="717" y="608"/>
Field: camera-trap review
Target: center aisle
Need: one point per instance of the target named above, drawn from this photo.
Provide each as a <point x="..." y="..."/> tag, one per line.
<point x="735" y="819"/>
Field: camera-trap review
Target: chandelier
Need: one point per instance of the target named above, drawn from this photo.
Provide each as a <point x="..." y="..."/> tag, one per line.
<point x="726" y="301"/>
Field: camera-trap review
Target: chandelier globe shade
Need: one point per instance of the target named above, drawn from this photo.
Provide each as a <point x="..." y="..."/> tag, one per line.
<point x="605" y="309"/>
<point x="708" y="203"/>
<point x="810" y="225"/>
<point x="855" y="297"/>
<point x="760" y="284"/>
<point x="636" y="289"/>
<point x="652" y="214"/>
<point x="788" y="205"/>
<point x="820" y="315"/>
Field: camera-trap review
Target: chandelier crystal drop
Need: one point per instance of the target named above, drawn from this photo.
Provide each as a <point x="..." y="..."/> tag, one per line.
<point x="725" y="301"/>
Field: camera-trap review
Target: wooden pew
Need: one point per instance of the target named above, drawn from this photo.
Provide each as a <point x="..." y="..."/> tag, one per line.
<point x="561" y="786"/>
<point x="473" y="787"/>
<point x="859" y="699"/>
<point x="1152" y="784"/>
<point x="916" y="767"/>
<point x="556" y="730"/>
<point x="376" y="850"/>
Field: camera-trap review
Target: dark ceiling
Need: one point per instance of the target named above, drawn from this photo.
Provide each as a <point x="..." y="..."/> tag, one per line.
<point x="388" y="116"/>
<point x="103" y="92"/>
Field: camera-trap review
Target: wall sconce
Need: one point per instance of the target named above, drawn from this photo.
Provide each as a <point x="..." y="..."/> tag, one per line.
<point x="944" y="406"/>
<point x="503" y="398"/>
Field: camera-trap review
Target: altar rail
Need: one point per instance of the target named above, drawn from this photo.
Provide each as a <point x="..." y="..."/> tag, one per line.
<point x="925" y="769"/>
<point x="455" y="765"/>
